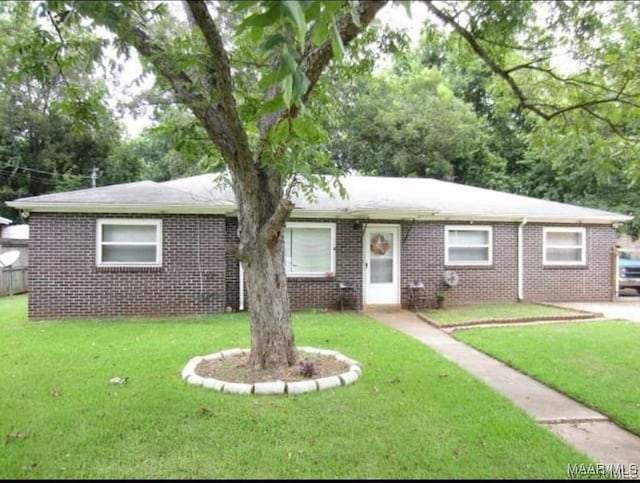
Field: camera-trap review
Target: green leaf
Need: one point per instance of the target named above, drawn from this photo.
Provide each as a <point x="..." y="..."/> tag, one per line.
<point x="288" y="60"/>
<point x="261" y="20"/>
<point x="287" y="90"/>
<point x="274" y="77"/>
<point x="294" y="12"/>
<point x="336" y="41"/>
<point x="280" y="132"/>
<point x="320" y="31"/>
<point x="307" y="130"/>
<point x="272" y="105"/>
<point x="312" y="10"/>
<point x="300" y="84"/>
<point x="243" y="4"/>
<point x="286" y="67"/>
<point x="272" y="41"/>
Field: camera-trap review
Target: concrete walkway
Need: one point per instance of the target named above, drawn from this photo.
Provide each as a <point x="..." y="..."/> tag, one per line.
<point x="625" y="308"/>
<point x="584" y="429"/>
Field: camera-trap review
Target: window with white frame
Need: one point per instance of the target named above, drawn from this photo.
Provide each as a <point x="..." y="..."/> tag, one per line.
<point x="129" y="242"/>
<point x="468" y="245"/>
<point x="309" y="249"/>
<point x="564" y="246"/>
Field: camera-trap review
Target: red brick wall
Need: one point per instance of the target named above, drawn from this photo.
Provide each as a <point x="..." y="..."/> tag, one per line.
<point x="423" y="260"/>
<point x="200" y="274"/>
<point x="65" y="282"/>
<point x="592" y="281"/>
<point x="314" y="292"/>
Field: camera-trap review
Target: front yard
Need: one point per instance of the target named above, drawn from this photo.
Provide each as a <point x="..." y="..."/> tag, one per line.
<point x="596" y="363"/>
<point x="413" y="415"/>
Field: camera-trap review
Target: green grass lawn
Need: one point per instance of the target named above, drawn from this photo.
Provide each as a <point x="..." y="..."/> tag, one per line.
<point x="597" y="363"/>
<point x="412" y="415"/>
<point x="493" y="312"/>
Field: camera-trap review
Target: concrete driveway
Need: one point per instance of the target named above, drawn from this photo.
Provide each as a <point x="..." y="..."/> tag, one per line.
<point x="625" y="308"/>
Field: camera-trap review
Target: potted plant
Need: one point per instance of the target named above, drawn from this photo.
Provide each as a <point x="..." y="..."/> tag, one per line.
<point x="440" y="296"/>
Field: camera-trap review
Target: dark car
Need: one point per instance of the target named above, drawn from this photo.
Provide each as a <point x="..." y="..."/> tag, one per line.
<point x="629" y="275"/>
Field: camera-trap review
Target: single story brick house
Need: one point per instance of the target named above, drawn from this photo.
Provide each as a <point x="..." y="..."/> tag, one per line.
<point x="150" y="248"/>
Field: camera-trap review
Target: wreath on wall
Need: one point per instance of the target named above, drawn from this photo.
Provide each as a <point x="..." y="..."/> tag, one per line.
<point x="379" y="245"/>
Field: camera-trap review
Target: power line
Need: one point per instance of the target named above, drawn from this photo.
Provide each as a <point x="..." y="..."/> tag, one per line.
<point x="31" y="177"/>
<point x="9" y="165"/>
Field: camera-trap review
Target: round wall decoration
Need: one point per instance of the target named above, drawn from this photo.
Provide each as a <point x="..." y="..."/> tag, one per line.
<point x="379" y="244"/>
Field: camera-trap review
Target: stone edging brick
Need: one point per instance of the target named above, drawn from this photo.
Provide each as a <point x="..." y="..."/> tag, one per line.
<point x="582" y="315"/>
<point x="273" y="387"/>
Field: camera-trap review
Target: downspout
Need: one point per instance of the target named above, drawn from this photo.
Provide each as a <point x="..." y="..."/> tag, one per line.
<point x="241" y="278"/>
<point x="521" y="260"/>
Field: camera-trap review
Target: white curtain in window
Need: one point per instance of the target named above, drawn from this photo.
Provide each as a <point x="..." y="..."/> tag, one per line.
<point x="307" y="250"/>
<point x="129" y="233"/>
<point x="468" y="237"/>
<point x="564" y="246"/>
<point x="468" y="245"/>
<point x="468" y="254"/>
<point x="129" y="243"/>
<point x="129" y="253"/>
<point x="567" y="239"/>
<point x="564" y="254"/>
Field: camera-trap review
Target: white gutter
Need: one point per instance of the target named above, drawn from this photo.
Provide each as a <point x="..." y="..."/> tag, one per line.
<point x="305" y="213"/>
<point x="241" y="277"/>
<point x="521" y="260"/>
<point x="149" y="208"/>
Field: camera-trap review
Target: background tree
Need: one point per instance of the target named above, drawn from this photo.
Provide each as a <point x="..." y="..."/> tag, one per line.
<point x="54" y="124"/>
<point x="413" y="125"/>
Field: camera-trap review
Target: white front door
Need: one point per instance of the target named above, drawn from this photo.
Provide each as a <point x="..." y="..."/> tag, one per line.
<point x="382" y="264"/>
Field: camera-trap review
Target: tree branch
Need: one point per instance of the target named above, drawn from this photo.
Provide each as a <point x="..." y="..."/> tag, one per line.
<point x="183" y="86"/>
<point x="528" y="65"/>
<point x="505" y="74"/>
<point x="315" y="59"/>
<point x="271" y="230"/>
<point x="486" y="58"/>
<point x="611" y="125"/>
<point x="220" y="77"/>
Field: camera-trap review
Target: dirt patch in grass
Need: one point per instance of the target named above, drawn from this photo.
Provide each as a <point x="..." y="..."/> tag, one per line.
<point x="237" y="369"/>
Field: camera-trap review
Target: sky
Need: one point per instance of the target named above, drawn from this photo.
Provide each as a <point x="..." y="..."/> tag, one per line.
<point x="393" y="15"/>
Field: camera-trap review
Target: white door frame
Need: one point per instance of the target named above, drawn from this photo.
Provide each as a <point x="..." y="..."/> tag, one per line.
<point x="392" y="296"/>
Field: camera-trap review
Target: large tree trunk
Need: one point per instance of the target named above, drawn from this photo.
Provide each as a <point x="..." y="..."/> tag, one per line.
<point x="272" y="341"/>
<point x="262" y="212"/>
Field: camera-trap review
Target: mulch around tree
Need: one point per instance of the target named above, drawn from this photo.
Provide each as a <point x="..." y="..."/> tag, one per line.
<point x="237" y="369"/>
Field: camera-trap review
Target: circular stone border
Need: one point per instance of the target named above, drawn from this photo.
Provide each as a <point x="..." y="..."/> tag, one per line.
<point x="272" y="387"/>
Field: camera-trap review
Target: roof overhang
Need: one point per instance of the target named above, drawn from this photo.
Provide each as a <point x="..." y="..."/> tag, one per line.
<point x="419" y="215"/>
<point x="229" y="209"/>
<point x="191" y="208"/>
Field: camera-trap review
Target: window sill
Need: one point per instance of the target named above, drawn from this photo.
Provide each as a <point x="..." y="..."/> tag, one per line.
<point x="450" y="266"/>
<point x="311" y="276"/>
<point x="129" y="268"/>
<point x="565" y="267"/>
